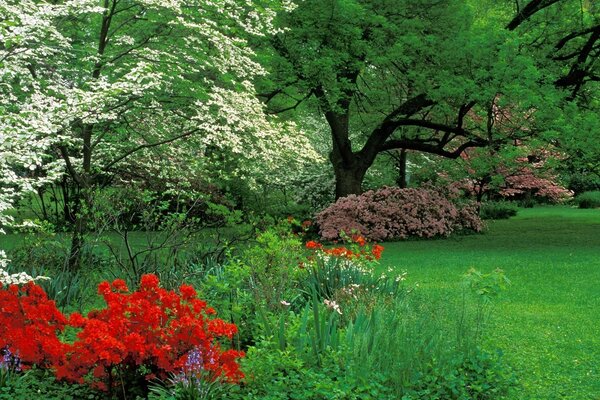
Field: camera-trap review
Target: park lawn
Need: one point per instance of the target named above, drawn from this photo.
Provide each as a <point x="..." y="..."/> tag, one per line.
<point x="548" y="322"/>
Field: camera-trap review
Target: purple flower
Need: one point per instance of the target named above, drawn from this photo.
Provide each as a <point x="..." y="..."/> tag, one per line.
<point x="9" y="361"/>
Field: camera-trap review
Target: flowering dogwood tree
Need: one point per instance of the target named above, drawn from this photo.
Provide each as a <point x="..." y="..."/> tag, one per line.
<point x="89" y="86"/>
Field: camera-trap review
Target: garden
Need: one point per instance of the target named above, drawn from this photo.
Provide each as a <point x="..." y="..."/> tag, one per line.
<point x="277" y="199"/>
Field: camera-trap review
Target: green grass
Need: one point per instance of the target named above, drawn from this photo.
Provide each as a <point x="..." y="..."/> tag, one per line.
<point x="548" y="322"/>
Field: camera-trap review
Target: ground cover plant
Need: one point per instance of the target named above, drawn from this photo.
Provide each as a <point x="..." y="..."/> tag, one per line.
<point x="497" y="210"/>
<point x="588" y="199"/>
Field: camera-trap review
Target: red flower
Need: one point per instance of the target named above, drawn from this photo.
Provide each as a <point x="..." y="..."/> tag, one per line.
<point x="311" y="244"/>
<point x="360" y="241"/>
<point x="119" y="285"/>
<point x="187" y="291"/>
<point x="149" y="281"/>
<point x="104" y="288"/>
<point x="376" y="251"/>
<point x="151" y="327"/>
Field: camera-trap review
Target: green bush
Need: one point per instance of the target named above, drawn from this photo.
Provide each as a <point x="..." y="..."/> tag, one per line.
<point x="41" y="384"/>
<point x="581" y="182"/>
<point x="588" y="199"/>
<point x="497" y="210"/>
<point x="273" y="374"/>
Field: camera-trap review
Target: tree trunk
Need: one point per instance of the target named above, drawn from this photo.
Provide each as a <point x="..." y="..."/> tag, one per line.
<point x="68" y="213"/>
<point x="79" y="230"/>
<point x="401" y="165"/>
<point x="348" y="180"/>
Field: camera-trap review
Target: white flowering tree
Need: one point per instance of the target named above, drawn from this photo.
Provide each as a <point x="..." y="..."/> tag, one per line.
<point x="89" y="86"/>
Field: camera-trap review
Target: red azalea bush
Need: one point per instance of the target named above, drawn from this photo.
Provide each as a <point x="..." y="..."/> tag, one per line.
<point x="150" y="331"/>
<point x="30" y="324"/>
<point x="393" y="213"/>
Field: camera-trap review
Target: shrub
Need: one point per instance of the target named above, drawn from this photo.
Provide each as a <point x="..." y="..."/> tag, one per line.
<point x="273" y="265"/>
<point x="393" y="213"/>
<point x="138" y="336"/>
<point x="588" y="199"/>
<point x="581" y="182"/>
<point x="497" y="210"/>
<point x="29" y="325"/>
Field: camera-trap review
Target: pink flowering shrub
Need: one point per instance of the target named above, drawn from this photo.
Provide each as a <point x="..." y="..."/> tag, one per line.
<point x="525" y="181"/>
<point x="393" y="213"/>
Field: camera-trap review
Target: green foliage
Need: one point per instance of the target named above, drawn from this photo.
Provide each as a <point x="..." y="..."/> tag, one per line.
<point x="196" y="388"/>
<point x="497" y="210"/>
<point x="70" y="290"/>
<point x="588" y="199"/>
<point x="40" y="248"/>
<point x="403" y="346"/>
<point x="42" y="384"/>
<point x="488" y="286"/>
<point x="273" y="263"/>
<point x="580" y="182"/>
<point x="281" y="375"/>
<point x="226" y="287"/>
<point x="161" y="234"/>
<point x="479" y="376"/>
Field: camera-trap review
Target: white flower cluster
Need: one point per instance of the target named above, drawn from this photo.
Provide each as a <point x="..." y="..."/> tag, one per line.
<point x="342" y="263"/>
<point x="332" y="305"/>
<point x="14" y="279"/>
<point x="130" y="88"/>
<point x="19" y="278"/>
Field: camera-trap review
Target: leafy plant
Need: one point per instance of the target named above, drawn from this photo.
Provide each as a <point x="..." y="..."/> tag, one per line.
<point x="497" y="210"/>
<point x="42" y="384"/>
<point x="273" y="263"/>
<point x="477" y="376"/>
<point x="588" y="199"/>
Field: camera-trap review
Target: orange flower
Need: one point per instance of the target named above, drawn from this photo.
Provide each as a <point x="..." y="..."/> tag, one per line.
<point x="311" y="244"/>
<point x="376" y="251"/>
<point x="360" y="241"/>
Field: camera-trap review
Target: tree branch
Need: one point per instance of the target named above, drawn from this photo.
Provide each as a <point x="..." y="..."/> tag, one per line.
<point x="146" y="146"/>
<point x="412" y="144"/>
<point x="528" y="11"/>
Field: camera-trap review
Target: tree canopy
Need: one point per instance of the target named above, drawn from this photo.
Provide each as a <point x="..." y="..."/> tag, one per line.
<point x="431" y="76"/>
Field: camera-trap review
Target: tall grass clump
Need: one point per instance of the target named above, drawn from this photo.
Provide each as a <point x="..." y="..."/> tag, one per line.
<point x="427" y="347"/>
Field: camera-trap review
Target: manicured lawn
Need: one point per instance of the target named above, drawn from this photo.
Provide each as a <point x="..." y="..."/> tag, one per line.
<point x="548" y="322"/>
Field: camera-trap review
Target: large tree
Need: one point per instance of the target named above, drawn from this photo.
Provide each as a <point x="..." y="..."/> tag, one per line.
<point x="94" y="85"/>
<point x="423" y="75"/>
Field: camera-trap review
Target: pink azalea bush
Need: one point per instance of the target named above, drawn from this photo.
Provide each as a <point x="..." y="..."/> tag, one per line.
<point x="393" y="213"/>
